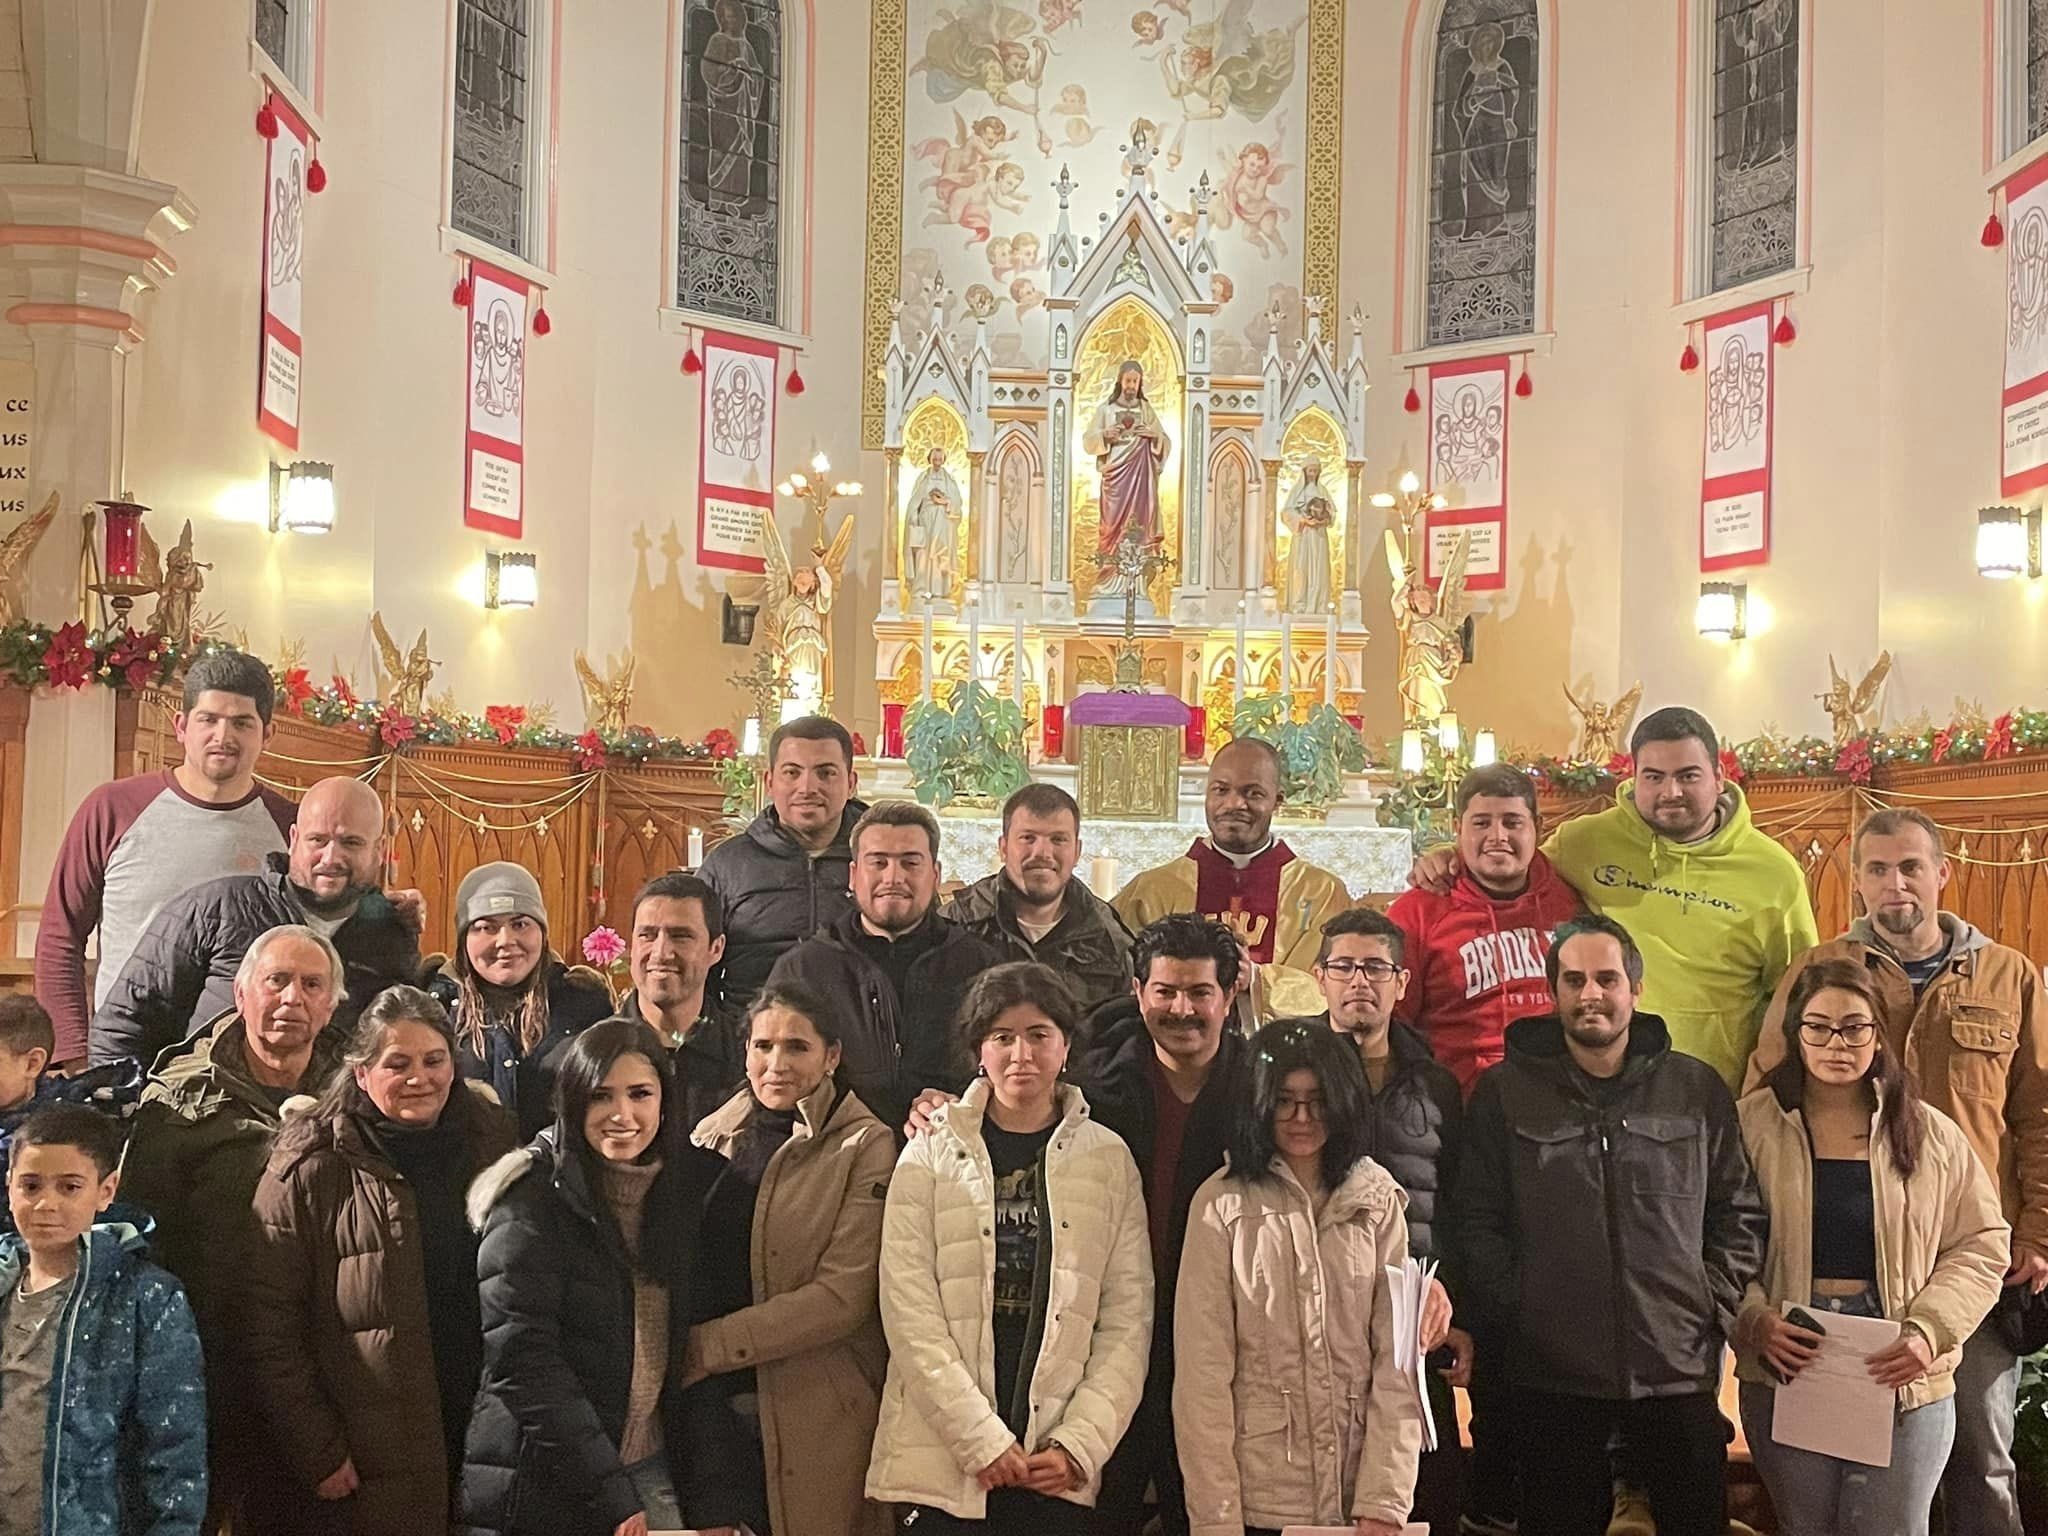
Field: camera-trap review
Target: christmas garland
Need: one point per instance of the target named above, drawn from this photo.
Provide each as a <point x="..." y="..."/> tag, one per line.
<point x="35" y="656"/>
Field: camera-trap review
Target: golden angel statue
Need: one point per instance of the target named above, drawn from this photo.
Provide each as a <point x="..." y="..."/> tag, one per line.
<point x="178" y="585"/>
<point x="1602" y="726"/>
<point x="1430" y="622"/>
<point x="15" y="552"/>
<point x="1852" y="709"/>
<point x="407" y="673"/>
<point x="798" y="603"/>
<point x="606" y="699"/>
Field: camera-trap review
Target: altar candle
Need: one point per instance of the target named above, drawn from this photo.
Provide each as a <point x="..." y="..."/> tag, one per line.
<point x="1485" y="752"/>
<point x="750" y="737"/>
<point x="1237" y="696"/>
<point x="1017" y="656"/>
<point x="696" y="848"/>
<point x="1102" y="873"/>
<point x="1447" y="732"/>
<point x="1286" y="654"/>
<point x="1411" y="751"/>
<point x="1330" y="658"/>
<point x="924" y="688"/>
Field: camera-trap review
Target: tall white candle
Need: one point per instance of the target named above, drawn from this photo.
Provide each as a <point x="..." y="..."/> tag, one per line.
<point x="750" y="737"/>
<point x="924" y="689"/>
<point x="1238" y="695"/>
<point x="1286" y="654"/>
<point x="1017" y="656"/>
<point x="1102" y="873"/>
<point x="974" y="635"/>
<point x="1330" y="658"/>
<point x="696" y="848"/>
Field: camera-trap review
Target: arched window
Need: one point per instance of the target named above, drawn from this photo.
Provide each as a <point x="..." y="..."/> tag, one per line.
<point x="1482" y="206"/>
<point x="1751" y="180"/>
<point x="740" y="137"/>
<point x="499" y="197"/>
<point x="287" y="31"/>
<point x="2020" y="59"/>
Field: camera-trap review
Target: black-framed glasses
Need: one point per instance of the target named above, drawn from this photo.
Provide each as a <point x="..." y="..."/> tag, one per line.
<point x="1375" y="970"/>
<point x="1286" y="1107"/>
<point x="1854" y="1036"/>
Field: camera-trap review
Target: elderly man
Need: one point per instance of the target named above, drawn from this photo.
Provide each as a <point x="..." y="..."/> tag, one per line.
<point x="202" y="1135"/>
<point x="183" y="969"/>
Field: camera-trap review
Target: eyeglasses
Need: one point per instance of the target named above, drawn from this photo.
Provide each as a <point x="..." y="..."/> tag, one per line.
<point x="1854" y="1036"/>
<point x="1285" y="1108"/>
<point x="1375" y="970"/>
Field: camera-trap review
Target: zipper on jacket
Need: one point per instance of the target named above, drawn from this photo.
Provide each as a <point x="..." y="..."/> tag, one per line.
<point x="1616" y="1262"/>
<point x="55" y="1428"/>
<point x="1287" y="1407"/>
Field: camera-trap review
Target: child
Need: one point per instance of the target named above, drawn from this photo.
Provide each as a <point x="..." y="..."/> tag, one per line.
<point x="27" y="1040"/>
<point x="81" y="1308"/>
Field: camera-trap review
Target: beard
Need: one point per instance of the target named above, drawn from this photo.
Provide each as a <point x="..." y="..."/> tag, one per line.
<point x="1902" y="922"/>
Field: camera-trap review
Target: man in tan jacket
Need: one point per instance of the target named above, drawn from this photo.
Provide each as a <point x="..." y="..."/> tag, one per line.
<point x="1966" y="1016"/>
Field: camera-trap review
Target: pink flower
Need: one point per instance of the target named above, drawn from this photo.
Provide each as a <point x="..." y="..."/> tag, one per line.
<point x="1854" y="761"/>
<point x="603" y="947"/>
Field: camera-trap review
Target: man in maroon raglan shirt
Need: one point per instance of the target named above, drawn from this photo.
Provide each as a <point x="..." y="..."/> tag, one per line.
<point x="1475" y="956"/>
<point x="137" y="842"/>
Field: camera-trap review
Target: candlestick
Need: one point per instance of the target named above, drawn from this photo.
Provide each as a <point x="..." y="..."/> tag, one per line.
<point x="1237" y="695"/>
<point x="1017" y="657"/>
<point x="1286" y="654"/>
<point x="1447" y="731"/>
<point x="1330" y="657"/>
<point x="1411" y="751"/>
<point x="924" y="689"/>
<point x="696" y="848"/>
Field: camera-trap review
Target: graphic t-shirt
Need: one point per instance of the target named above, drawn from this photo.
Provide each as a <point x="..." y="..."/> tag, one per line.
<point x="1023" y="1259"/>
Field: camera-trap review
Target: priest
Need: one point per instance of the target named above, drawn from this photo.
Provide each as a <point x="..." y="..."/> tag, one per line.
<point x="1240" y="874"/>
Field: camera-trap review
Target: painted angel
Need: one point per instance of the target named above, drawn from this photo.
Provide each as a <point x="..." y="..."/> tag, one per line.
<point x="407" y="673"/>
<point x="966" y="159"/>
<point x="1225" y="65"/>
<point x="1431" y="625"/>
<point x="607" y="698"/>
<point x="1245" y="195"/>
<point x="15" y="552"/>
<point x="798" y="604"/>
<point x="1851" y="708"/>
<point x="1602" y="726"/>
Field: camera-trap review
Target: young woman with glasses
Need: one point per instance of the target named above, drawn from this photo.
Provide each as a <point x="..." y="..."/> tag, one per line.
<point x="1878" y="1209"/>
<point x="1289" y="1406"/>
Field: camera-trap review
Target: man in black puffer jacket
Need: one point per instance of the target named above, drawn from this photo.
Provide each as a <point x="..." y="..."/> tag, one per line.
<point x="785" y="876"/>
<point x="893" y="968"/>
<point x="181" y="974"/>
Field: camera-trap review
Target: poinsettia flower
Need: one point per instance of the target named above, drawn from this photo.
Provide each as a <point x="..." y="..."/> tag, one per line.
<point x="1620" y="766"/>
<point x="1854" y="761"/>
<point x="603" y="947"/>
<point x="505" y="721"/>
<point x="590" y="753"/>
<point x="1731" y="766"/>
<point x="395" y="729"/>
<point x="344" y="695"/>
<point x="721" y="743"/>
<point x="69" y="661"/>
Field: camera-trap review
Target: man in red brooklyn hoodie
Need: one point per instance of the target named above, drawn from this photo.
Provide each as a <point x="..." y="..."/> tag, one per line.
<point x="1475" y="956"/>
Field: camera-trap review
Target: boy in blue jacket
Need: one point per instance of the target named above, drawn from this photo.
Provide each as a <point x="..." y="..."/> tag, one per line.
<point x="27" y="1040"/>
<point x="102" y="1410"/>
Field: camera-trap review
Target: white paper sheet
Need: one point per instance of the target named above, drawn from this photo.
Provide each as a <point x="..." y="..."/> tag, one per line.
<point x="1835" y="1406"/>
<point x="1408" y="1284"/>
<point x="1413" y="1528"/>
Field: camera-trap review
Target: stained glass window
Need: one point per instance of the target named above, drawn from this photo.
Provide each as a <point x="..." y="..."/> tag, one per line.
<point x="2037" y="72"/>
<point x="284" y="31"/>
<point x="274" y="29"/>
<point x="1482" y="172"/>
<point x="1754" y="193"/>
<point x="493" y="65"/>
<point x="729" y="201"/>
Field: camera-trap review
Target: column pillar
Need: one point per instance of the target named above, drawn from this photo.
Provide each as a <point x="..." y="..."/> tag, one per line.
<point x="1351" y="600"/>
<point x="892" y="534"/>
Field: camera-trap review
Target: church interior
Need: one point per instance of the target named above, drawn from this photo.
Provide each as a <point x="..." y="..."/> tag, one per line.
<point x="1045" y="390"/>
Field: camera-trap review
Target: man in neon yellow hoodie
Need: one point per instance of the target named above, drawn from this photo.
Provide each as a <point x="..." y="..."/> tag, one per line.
<point x="1719" y="909"/>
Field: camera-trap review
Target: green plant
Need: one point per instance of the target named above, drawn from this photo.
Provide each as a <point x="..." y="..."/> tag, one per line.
<point x="738" y="780"/>
<point x="1421" y="801"/>
<point x="1315" y="754"/>
<point x="970" y="744"/>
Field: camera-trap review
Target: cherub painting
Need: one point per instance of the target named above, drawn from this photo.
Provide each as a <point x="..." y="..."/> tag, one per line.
<point x="1149" y="31"/>
<point x="1027" y="296"/>
<point x="1057" y="13"/>
<point x="1224" y="65"/>
<point x="970" y="208"/>
<point x="982" y="47"/>
<point x="1245" y="197"/>
<point x="967" y="159"/>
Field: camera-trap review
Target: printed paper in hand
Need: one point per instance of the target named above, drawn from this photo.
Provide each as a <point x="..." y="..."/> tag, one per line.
<point x="1408" y="1284"/>
<point x="1834" y="1406"/>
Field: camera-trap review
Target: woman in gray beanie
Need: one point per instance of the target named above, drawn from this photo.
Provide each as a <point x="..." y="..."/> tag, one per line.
<point x="513" y="1003"/>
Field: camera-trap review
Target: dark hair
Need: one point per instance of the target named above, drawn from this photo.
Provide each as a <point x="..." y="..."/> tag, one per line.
<point x="1594" y="923"/>
<point x="1899" y="1119"/>
<point x="1676" y="724"/>
<point x="25" y="1025"/>
<point x="1040" y="800"/>
<point x="1496" y="781"/>
<point x="98" y="1136"/>
<point x="681" y="885"/>
<point x="579" y="1072"/>
<point x="896" y="813"/>
<point x="1186" y="936"/>
<point x="810" y="728"/>
<point x="1016" y="984"/>
<point x="1890" y="822"/>
<point x="1365" y="923"/>
<point x="343" y="1095"/>
<point x="1294" y="1045"/>
<point x="1257" y="744"/>
<point x="793" y="997"/>
<point x="231" y="672"/>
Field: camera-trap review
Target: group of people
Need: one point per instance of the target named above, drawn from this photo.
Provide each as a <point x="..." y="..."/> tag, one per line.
<point x="1007" y="1209"/>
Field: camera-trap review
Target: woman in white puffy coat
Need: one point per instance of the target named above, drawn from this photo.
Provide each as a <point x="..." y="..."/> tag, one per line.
<point x="1016" y="1285"/>
<point x="1289" y="1407"/>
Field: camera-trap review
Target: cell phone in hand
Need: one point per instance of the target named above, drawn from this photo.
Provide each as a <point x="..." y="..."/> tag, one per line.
<point x="1799" y="1317"/>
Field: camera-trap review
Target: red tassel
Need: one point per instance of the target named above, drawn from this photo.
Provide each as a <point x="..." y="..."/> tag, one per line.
<point x="692" y="363"/>
<point x="1524" y="386"/>
<point x="1689" y="359"/>
<point x="1786" y="333"/>
<point x="316" y="177"/>
<point x="795" y="383"/>
<point x="1412" y="402"/>
<point x="1994" y="231"/>
<point x="541" y="323"/>
<point x="462" y="293"/>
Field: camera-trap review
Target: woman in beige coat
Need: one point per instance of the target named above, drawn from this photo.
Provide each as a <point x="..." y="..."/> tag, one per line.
<point x="1878" y="1209"/>
<point x="1289" y="1407"/>
<point x="821" y="1163"/>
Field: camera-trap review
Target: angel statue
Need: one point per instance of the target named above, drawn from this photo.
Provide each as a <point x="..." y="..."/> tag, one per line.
<point x="606" y="699"/>
<point x="1851" y="710"/>
<point x="178" y="585"/>
<point x="1430" y="622"/>
<point x="1308" y="516"/>
<point x="1602" y="726"/>
<point x="15" y="552"/>
<point x="799" y="601"/>
<point x="408" y="672"/>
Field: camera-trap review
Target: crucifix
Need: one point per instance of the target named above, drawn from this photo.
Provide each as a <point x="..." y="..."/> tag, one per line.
<point x="1135" y="563"/>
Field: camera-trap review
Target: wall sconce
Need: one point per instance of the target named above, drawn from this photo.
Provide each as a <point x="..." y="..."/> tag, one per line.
<point x="1723" y="612"/>
<point x="510" y="580"/>
<point x="302" y="498"/>
<point x="2009" y="542"/>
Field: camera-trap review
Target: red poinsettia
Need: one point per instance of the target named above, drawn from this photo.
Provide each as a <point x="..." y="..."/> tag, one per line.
<point x="721" y="742"/>
<point x="134" y="656"/>
<point x="590" y="755"/>
<point x="344" y="695"/>
<point x="505" y="720"/>
<point x="1998" y="740"/>
<point x="1620" y="766"/>
<point x="1854" y="761"/>
<point x="296" y="684"/>
<point x="1731" y="766"/>
<point x="69" y="661"/>
<point x="395" y="729"/>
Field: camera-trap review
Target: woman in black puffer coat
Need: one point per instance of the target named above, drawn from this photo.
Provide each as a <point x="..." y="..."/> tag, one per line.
<point x="601" y="1247"/>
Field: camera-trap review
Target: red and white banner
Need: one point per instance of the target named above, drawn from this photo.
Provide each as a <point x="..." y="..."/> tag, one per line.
<point x="1468" y="467"/>
<point x="494" y="476"/>
<point x="2024" y="432"/>
<point x="735" y="450"/>
<point x="1741" y="401"/>
<point x="284" y="237"/>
